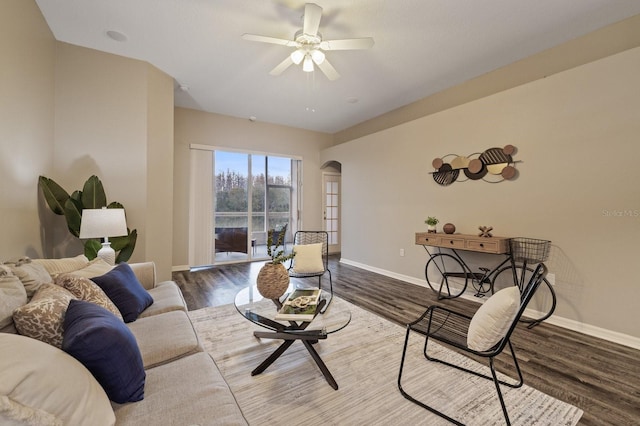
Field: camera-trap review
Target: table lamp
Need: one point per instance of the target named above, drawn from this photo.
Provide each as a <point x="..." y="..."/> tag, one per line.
<point x="104" y="223"/>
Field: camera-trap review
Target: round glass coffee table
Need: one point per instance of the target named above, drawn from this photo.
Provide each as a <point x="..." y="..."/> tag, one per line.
<point x="260" y="311"/>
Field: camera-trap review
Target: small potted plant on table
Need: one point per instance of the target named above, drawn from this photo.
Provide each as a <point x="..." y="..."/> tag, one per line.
<point x="431" y="224"/>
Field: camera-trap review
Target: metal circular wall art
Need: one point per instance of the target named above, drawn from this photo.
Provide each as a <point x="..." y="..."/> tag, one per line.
<point x="493" y="165"/>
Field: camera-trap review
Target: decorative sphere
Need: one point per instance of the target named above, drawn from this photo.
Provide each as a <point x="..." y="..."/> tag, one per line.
<point x="449" y="228"/>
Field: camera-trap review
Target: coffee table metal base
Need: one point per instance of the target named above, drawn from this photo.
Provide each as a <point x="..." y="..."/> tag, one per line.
<point x="289" y="338"/>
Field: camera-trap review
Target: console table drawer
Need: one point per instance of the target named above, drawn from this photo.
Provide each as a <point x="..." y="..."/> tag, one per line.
<point x="427" y="239"/>
<point x="486" y="246"/>
<point x="452" y="242"/>
<point x="495" y="245"/>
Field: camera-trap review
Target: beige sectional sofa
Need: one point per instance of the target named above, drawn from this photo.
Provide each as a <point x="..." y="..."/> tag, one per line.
<point x="183" y="385"/>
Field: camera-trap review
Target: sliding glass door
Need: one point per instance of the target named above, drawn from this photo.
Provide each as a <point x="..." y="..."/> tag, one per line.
<point x="264" y="185"/>
<point x="231" y="206"/>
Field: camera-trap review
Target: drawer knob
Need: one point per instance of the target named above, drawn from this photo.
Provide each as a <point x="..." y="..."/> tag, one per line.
<point x="481" y="245"/>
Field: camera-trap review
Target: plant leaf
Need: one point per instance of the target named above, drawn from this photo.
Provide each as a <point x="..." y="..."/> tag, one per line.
<point x="126" y="252"/>
<point x="93" y="196"/>
<point x="54" y="195"/>
<point x="73" y="214"/>
<point x="119" y="243"/>
<point x="91" y="248"/>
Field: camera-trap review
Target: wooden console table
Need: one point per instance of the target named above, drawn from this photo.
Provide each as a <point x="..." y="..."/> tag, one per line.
<point x="449" y="272"/>
<point x="448" y="275"/>
<point x="495" y="245"/>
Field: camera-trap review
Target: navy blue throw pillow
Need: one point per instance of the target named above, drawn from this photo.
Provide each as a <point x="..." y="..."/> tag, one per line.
<point x="123" y="288"/>
<point x="107" y="348"/>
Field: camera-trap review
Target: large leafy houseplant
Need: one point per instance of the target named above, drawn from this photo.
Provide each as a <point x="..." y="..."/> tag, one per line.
<point x="92" y="196"/>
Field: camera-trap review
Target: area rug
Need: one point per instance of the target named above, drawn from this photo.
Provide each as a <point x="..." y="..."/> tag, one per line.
<point x="364" y="359"/>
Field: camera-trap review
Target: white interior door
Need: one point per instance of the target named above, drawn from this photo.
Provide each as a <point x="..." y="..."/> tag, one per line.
<point x="331" y="209"/>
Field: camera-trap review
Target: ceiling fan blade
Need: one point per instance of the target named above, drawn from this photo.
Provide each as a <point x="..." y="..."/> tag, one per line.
<point x="272" y="40"/>
<point x="312" y="16"/>
<point x="347" y="44"/>
<point x="279" y="69"/>
<point x="328" y="70"/>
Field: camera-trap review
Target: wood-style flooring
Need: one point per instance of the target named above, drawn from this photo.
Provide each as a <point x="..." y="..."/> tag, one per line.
<point x="600" y="377"/>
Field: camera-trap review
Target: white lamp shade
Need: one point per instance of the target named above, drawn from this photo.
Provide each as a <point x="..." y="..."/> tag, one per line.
<point x="297" y="56"/>
<point x="103" y="223"/>
<point x="317" y="56"/>
<point x="307" y="65"/>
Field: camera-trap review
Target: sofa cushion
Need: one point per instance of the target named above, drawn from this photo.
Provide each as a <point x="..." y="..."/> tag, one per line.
<point x="64" y="265"/>
<point x="188" y="391"/>
<point x="43" y="385"/>
<point x="42" y="318"/>
<point x="12" y="296"/>
<point x="146" y="273"/>
<point x="95" y="268"/>
<point x="104" y="344"/>
<point x="124" y="289"/>
<point x="85" y="289"/>
<point x="167" y="297"/>
<point x="308" y="259"/>
<point x="492" y="320"/>
<point x="165" y="337"/>
<point x="32" y="275"/>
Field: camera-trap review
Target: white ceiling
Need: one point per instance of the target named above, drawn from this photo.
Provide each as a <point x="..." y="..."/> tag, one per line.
<point x="421" y="47"/>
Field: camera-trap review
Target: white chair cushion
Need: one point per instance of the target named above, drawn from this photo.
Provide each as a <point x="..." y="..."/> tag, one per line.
<point x="491" y="322"/>
<point x="308" y="259"/>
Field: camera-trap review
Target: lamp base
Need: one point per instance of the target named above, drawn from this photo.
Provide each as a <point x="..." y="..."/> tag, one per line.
<point x="107" y="254"/>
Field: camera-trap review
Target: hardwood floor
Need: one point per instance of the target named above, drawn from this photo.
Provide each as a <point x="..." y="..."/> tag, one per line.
<point x="600" y="377"/>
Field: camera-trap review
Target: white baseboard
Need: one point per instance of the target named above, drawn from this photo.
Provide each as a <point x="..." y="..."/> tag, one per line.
<point x="179" y="268"/>
<point x="590" y="330"/>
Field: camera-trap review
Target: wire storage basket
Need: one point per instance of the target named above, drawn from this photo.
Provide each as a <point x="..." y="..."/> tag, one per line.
<point x="529" y="250"/>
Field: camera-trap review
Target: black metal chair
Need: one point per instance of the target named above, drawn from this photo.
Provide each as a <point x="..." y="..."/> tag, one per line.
<point x="452" y="328"/>
<point x="313" y="237"/>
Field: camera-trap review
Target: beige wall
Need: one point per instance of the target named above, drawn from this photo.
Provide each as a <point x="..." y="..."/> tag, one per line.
<point x="159" y="207"/>
<point x="197" y="127"/>
<point x="577" y="139"/>
<point x="68" y="112"/>
<point x="113" y="118"/>
<point x="27" y="55"/>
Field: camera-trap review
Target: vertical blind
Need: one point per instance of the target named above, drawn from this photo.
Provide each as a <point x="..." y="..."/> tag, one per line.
<point x="201" y="208"/>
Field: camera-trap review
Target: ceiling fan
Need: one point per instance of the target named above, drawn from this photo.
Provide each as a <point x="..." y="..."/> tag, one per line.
<point x="310" y="46"/>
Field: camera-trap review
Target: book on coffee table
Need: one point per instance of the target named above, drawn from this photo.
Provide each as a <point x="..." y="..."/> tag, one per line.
<point x="300" y="305"/>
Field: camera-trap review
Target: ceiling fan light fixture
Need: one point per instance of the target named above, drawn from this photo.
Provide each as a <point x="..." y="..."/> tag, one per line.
<point x="297" y="56"/>
<point x="307" y="65"/>
<point x="317" y="56"/>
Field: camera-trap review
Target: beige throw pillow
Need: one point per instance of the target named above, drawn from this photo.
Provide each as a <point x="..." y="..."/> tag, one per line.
<point x="95" y="268"/>
<point x="32" y="275"/>
<point x="308" y="259"/>
<point x="64" y="265"/>
<point x="12" y="295"/>
<point x="42" y="385"/>
<point x="43" y="317"/>
<point x="491" y="322"/>
<point x="85" y="289"/>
